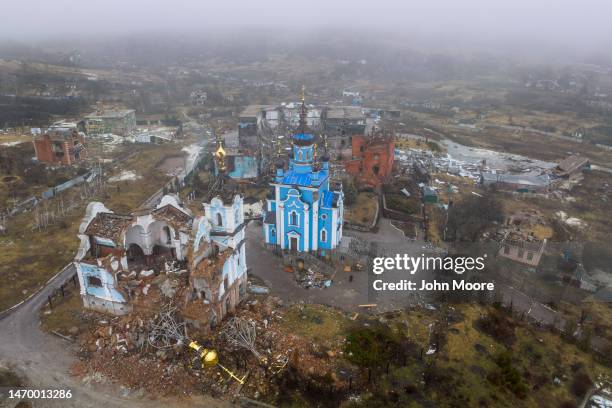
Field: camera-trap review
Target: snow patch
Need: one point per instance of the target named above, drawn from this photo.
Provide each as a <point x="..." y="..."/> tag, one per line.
<point x="571" y="221"/>
<point x="125" y="175"/>
<point x="15" y="143"/>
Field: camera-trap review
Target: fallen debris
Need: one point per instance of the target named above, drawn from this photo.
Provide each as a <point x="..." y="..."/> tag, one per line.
<point x="165" y="332"/>
<point x="242" y="333"/>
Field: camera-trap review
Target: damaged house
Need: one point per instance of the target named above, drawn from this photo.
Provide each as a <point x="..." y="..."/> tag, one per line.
<point x="522" y="242"/>
<point x="129" y="261"/>
<point x="60" y="147"/>
<point x="572" y="166"/>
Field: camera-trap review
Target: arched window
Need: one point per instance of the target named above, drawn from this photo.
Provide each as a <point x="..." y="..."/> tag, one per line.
<point x="219" y="219"/>
<point x="323" y="236"/>
<point x="293" y="218"/>
<point x="167" y="235"/>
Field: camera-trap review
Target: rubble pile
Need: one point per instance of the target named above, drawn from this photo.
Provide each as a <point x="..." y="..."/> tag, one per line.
<point x="147" y="352"/>
<point x="119" y="350"/>
<point x="284" y="354"/>
<point x="308" y="278"/>
<point x="165" y="331"/>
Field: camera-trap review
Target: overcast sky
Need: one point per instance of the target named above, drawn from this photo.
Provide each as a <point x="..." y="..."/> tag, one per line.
<point x="582" y="24"/>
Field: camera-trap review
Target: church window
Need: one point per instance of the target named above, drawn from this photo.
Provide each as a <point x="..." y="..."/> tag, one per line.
<point x="293" y="218"/>
<point x="323" y="236"/>
<point x="167" y="235"/>
<point x="219" y="220"/>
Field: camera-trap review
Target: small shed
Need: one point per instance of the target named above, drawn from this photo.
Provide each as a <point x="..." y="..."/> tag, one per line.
<point x="429" y="195"/>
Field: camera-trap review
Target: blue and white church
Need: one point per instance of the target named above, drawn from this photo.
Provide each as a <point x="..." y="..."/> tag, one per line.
<point x="302" y="214"/>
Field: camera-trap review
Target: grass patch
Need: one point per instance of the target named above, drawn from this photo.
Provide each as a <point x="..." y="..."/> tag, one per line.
<point x="422" y="144"/>
<point x="466" y="343"/>
<point x="363" y="211"/>
<point x="399" y="202"/>
<point x="28" y="258"/>
<point x="65" y="315"/>
<point x="316" y="322"/>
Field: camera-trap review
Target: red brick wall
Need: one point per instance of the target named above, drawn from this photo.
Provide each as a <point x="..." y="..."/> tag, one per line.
<point x="378" y="154"/>
<point x="45" y="154"/>
<point x="358" y="142"/>
<point x="43" y="149"/>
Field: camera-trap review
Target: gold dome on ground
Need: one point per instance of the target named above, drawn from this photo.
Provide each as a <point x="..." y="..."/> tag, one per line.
<point x="211" y="358"/>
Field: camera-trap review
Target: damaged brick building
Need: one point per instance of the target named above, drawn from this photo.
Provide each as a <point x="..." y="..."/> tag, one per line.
<point x="372" y="157"/>
<point x="60" y="147"/>
<point x="130" y="261"/>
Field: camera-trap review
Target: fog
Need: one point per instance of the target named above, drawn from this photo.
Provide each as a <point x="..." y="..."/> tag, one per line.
<point x="514" y="25"/>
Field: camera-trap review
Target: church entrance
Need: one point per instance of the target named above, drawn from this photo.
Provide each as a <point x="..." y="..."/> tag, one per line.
<point x="293" y="243"/>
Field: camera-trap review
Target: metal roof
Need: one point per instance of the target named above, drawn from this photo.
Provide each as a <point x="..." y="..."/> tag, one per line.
<point x="573" y="163"/>
<point x="522" y="179"/>
<point x="330" y="199"/>
<point x="304" y="179"/>
<point x="345" y="112"/>
<point x="110" y="114"/>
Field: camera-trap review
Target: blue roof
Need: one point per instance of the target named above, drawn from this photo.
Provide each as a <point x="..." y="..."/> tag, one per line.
<point x="303" y="136"/>
<point x="327" y="199"/>
<point x="304" y="179"/>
